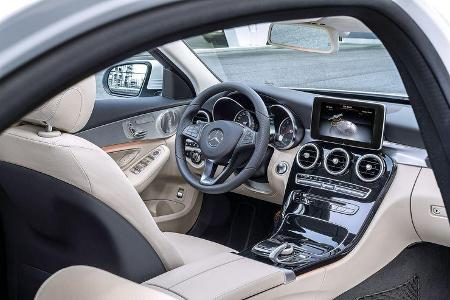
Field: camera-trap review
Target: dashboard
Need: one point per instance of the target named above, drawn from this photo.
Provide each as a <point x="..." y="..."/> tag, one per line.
<point x="330" y="164"/>
<point x="340" y="121"/>
<point x="334" y="182"/>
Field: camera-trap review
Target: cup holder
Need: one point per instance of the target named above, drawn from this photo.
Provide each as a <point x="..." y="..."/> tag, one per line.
<point x="159" y="208"/>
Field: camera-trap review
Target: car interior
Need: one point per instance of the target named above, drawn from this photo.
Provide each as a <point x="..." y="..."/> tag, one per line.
<point x="170" y="175"/>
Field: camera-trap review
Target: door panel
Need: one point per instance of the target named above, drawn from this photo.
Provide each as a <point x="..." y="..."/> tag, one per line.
<point x="141" y="162"/>
<point x="148" y="126"/>
<point x="167" y="191"/>
<point x="109" y="110"/>
<point x="143" y="146"/>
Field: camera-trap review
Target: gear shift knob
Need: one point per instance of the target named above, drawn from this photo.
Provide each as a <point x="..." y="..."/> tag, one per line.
<point x="288" y="250"/>
<point x="284" y="249"/>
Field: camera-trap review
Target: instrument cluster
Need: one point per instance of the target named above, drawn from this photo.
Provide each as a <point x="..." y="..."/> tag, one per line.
<point x="285" y="132"/>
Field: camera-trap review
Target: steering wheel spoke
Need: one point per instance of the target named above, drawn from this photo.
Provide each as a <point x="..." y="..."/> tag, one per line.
<point x="194" y="131"/>
<point x="247" y="139"/>
<point x="208" y="175"/>
<point x="209" y="170"/>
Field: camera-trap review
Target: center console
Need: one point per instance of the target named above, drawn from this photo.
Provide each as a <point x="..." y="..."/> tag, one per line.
<point x="335" y="187"/>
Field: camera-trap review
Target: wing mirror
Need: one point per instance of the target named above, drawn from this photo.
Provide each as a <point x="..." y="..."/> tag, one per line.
<point x="307" y="37"/>
<point x="126" y="79"/>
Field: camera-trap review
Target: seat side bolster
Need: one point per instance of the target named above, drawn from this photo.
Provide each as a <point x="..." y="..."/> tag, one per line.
<point x="82" y="164"/>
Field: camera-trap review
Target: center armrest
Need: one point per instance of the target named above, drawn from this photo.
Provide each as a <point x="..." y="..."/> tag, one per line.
<point x="224" y="276"/>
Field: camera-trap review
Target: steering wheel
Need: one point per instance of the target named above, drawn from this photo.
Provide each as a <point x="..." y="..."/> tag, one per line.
<point x="237" y="148"/>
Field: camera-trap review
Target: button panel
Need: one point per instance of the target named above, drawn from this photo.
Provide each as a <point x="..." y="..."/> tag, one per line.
<point x="191" y="143"/>
<point x="340" y="206"/>
<point x="328" y="184"/>
<point x="193" y="131"/>
<point x="248" y="137"/>
<point x="144" y="162"/>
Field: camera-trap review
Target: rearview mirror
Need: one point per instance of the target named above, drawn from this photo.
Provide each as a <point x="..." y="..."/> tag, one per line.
<point x="126" y="79"/>
<point x="307" y="37"/>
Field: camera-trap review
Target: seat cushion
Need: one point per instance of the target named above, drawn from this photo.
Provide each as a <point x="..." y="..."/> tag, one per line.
<point x="192" y="248"/>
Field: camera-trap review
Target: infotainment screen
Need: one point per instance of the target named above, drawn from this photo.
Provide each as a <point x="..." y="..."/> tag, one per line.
<point x="348" y="122"/>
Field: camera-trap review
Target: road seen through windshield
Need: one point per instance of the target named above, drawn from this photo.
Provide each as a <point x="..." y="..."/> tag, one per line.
<point x="365" y="68"/>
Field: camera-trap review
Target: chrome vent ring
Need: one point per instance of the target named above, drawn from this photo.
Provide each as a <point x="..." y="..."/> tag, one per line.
<point x="369" y="167"/>
<point x="307" y="156"/>
<point x="201" y="116"/>
<point x="336" y="162"/>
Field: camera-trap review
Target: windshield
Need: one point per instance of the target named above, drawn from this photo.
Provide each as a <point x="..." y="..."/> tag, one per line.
<point x="243" y="54"/>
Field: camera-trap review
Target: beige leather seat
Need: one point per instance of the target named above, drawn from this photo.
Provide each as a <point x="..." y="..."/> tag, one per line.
<point x="66" y="202"/>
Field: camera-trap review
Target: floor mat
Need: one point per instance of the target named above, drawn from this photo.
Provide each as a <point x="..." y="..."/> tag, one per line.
<point x="234" y="220"/>
<point x="420" y="272"/>
<point x="406" y="291"/>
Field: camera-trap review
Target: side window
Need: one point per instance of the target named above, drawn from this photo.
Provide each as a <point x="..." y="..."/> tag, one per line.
<point x="138" y="76"/>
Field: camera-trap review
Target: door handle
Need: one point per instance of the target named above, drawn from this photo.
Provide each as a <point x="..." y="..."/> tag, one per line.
<point x="136" y="133"/>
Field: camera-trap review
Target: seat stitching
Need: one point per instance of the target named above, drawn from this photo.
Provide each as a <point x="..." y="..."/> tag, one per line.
<point x="164" y="288"/>
<point x="80" y="110"/>
<point x="82" y="170"/>
<point x="46" y="143"/>
<point x="46" y="105"/>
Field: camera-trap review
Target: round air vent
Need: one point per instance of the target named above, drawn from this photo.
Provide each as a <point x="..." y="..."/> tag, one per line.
<point x="169" y="122"/>
<point x="369" y="167"/>
<point x="201" y="116"/>
<point x="308" y="156"/>
<point x="336" y="161"/>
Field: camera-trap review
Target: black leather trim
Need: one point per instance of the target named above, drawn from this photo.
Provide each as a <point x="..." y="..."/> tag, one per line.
<point x="49" y="224"/>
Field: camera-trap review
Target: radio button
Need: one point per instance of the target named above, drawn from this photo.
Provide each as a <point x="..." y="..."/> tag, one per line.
<point x="327" y="186"/>
<point x="341" y="190"/>
<point x="315" y="184"/>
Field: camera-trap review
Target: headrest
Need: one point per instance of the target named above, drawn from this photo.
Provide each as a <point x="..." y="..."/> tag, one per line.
<point x="68" y="111"/>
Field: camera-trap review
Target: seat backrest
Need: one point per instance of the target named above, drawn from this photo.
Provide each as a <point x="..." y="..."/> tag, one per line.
<point x="64" y="201"/>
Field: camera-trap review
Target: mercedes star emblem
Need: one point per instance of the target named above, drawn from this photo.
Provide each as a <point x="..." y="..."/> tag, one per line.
<point x="215" y="137"/>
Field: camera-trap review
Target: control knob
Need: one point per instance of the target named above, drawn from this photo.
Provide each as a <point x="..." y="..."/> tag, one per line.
<point x="288" y="250"/>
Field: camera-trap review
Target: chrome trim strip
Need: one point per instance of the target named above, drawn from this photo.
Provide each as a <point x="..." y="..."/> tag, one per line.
<point x="406" y="155"/>
<point x="225" y="98"/>
<point x="294" y="124"/>
<point x="203" y="112"/>
<point x="289" y="275"/>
